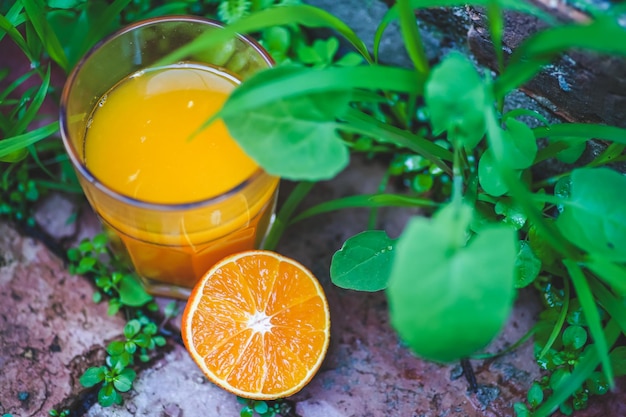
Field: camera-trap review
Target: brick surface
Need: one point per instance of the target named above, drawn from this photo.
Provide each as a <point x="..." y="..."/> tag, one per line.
<point x="50" y="330"/>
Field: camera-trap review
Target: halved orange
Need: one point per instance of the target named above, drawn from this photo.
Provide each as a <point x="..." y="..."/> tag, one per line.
<point x="258" y="325"/>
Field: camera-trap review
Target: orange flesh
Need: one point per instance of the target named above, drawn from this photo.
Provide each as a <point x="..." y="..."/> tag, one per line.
<point x="258" y="326"/>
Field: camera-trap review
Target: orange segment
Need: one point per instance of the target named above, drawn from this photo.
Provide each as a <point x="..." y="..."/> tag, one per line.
<point x="258" y="325"/>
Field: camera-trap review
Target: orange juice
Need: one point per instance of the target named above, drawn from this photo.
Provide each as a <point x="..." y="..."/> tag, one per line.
<point x="144" y="141"/>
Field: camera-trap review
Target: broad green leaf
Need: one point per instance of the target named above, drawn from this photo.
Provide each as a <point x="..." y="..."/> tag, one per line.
<point x="295" y="138"/>
<point x="520" y="145"/>
<point x="594" y="218"/>
<point x="132" y="292"/>
<point x="449" y="297"/>
<point x="489" y="176"/>
<point x="92" y="376"/>
<point x="527" y="266"/>
<point x="364" y="261"/>
<point x="455" y="97"/>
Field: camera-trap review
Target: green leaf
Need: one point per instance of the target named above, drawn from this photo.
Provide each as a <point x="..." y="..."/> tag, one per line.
<point x="455" y="97"/>
<point x="107" y="395"/>
<point x="411" y="36"/>
<point x="520" y="145"/>
<point x="302" y="14"/>
<point x="448" y="297"/>
<point x="132" y="292"/>
<point x="17" y="143"/>
<point x="132" y="328"/>
<point x="116" y="348"/>
<point x="124" y="381"/>
<point x="364" y="262"/>
<point x="590" y="310"/>
<point x="575" y="148"/>
<point x="594" y="218"/>
<point x="512" y="212"/>
<point x="527" y="265"/>
<point x="618" y="360"/>
<point x="93" y="376"/>
<point x="574" y="337"/>
<point x="295" y="138"/>
<point x="535" y="395"/>
<point x="36" y="15"/>
<point x="489" y="175"/>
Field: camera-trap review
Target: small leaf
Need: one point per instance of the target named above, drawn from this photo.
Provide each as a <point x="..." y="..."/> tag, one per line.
<point x="132" y="292"/>
<point x="449" y="297"/>
<point x="618" y="360"/>
<point x="86" y="265"/>
<point x="364" y="261"/>
<point x="512" y="212"/>
<point x="132" y="328"/>
<point x="260" y="407"/>
<point x="527" y="266"/>
<point x="594" y="218"/>
<point x="535" y="395"/>
<point x="115" y="348"/>
<point x="455" y="97"/>
<point x="124" y="381"/>
<point x="93" y="376"/>
<point x="574" y="337"/>
<point x="107" y="396"/>
<point x="597" y="384"/>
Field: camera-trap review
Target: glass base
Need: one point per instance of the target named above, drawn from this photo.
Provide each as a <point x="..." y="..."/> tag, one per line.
<point x="161" y="289"/>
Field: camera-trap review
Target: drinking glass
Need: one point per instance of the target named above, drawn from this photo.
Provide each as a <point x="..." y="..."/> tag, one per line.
<point x="169" y="245"/>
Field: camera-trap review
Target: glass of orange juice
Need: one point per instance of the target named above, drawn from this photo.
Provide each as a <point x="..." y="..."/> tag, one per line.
<point x="175" y="198"/>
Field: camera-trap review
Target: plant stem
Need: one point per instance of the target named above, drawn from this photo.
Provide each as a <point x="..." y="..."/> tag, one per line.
<point x="284" y="215"/>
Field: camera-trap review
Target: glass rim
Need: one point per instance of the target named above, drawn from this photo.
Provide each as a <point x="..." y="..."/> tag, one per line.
<point x="77" y="162"/>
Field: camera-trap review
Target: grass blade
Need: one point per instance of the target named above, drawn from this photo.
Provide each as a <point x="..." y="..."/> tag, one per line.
<point x="36" y="15"/>
<point x="412" y="37"/>
<point x="613" y="274"/>
<point x="30" y="114"/>
<point x="302" y="14"/>
<point x="614" y="306"/>
<point x="586" y="366"/>
<point x="283" y="217"/>
<point x="583" y="130"/>
<point x="101" y="27"/>
<point x="590" y="311"/>
<point x="363" y="201"/>
<point x="16" y="143"/>
<point x="7" y="28"/>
